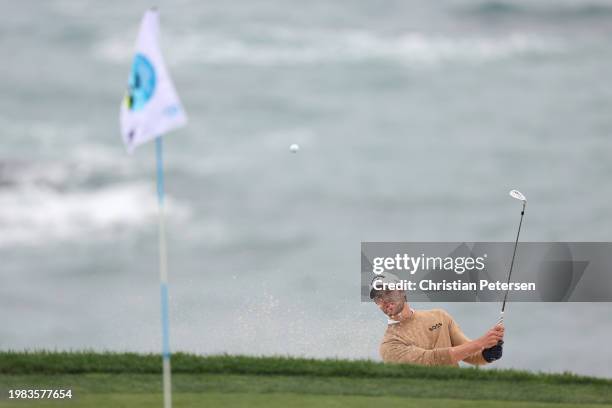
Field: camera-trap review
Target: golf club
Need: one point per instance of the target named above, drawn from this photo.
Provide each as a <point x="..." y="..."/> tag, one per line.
<point x="494" y="353"/>
<point x="519" y="196"/>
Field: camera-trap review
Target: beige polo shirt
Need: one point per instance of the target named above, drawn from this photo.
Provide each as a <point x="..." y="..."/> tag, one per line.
<point x="425" y="338"/>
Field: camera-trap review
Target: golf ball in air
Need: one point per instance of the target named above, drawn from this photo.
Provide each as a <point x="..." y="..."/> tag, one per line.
<point x="294" y="148"/>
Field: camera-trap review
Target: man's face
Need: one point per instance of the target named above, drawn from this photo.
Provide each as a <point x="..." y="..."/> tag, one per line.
<point x="391" y="302"/>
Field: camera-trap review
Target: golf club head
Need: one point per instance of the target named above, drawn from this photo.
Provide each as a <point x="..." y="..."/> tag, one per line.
<point x="518" y="195"/>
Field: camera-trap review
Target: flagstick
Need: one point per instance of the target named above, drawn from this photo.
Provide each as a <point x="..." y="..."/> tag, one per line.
<point x="163" y="277"/>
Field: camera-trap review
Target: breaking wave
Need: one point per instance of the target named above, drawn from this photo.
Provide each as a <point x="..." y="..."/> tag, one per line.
<point x="289" y="47"/>
<point x="39" y="205"/>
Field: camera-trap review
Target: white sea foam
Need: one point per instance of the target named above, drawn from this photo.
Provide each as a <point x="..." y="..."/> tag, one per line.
<point x="34" y="214"/>
<point x="281" y="46"/>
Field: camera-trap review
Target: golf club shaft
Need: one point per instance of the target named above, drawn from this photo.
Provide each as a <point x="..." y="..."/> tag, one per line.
<point x="518" y="233"/>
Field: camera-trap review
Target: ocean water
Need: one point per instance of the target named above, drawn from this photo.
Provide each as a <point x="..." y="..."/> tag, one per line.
<point x="414" y="120"/>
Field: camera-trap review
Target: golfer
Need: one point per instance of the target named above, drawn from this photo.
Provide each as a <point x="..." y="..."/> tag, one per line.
<point x="428" y="337"/>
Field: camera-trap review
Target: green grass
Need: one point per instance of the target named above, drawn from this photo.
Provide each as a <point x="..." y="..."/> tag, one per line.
<point x="76" y="362"/>
<point x="103" y="379"/>
<point x="281" y="400"/>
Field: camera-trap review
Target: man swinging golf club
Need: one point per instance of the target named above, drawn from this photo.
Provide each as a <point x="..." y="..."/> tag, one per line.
<point x="432" y="337"/>
<point x="428" y="337"/>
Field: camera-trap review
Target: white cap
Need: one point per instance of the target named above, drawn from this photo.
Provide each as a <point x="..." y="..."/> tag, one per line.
<point x="385" y="277"/>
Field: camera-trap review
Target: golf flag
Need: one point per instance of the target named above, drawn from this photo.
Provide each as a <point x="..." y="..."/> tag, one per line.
<point x="151" y="106"/>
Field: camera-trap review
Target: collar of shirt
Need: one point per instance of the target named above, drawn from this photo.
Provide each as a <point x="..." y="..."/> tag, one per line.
<point x="410" y="316"/>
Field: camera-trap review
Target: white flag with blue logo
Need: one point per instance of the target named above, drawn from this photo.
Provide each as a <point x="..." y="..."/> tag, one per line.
<point x="151" y="106"/>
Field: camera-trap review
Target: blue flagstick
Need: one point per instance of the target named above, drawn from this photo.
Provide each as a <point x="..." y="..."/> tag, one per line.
<point x="163" y="277"/>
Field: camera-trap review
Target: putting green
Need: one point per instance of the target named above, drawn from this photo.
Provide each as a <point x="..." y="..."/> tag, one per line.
<point x="277" y="400"/>
<point x="128" y="379"/>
